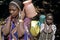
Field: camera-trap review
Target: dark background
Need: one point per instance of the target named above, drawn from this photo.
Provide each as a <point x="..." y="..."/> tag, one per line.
<point x="55" y="5"/>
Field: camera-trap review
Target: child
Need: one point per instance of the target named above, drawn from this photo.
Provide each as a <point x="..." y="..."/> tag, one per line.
<point x="48" y="29"/>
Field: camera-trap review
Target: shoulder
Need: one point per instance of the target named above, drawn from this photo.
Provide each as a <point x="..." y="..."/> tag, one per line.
<point x="54" y="26"/>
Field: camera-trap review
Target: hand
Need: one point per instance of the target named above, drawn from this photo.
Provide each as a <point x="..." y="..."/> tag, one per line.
<point x="22" y="14"/>
<point x="50" y="29"/>
<point x="9" y="18"/>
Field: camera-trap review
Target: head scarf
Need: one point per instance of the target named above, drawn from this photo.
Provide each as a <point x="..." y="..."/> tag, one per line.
<point x="17" y="3"/>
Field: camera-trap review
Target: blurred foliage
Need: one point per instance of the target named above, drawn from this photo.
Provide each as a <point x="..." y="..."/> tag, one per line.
<point x="1" y="21"/>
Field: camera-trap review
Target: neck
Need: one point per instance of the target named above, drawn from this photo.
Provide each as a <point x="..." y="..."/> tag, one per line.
<point x="49" y="24"/>
<point x="14" y="19"/>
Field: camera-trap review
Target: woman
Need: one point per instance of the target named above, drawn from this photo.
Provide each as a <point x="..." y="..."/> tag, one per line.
<point x="10" y="29"/>
<point x="14" y="27"/>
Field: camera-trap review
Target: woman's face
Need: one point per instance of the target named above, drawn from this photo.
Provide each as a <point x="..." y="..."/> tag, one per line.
<point x="13" y="10"/>
<point x="49" y="20"/>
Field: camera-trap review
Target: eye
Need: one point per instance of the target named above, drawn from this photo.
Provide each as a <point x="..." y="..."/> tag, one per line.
<point x="13" y="10"/>
<point x="49" y="19"/>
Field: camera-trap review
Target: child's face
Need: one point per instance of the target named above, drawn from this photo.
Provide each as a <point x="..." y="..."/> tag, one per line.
<point x="49" y="20"/>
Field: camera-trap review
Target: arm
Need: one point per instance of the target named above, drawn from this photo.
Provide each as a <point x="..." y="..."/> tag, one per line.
<point x="20" y="25"/>
<point x="6" y="28"/>
<point x="20" y="28"/>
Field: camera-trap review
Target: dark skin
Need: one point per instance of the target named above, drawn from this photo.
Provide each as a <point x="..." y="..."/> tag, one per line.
<point x="20" y="27"/>
<point x="13" y="16"/>
<point x="49" y="21"/>
<point x="13" y="10"/>
<point x="6" y="28"/>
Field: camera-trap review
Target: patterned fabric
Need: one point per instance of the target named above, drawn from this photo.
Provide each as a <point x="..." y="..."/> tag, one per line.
<point x="45" y="36"/>
<point x="12" y="28"/>
<point x="26" y="26"/>
<point x="35" y="29"/>
<point x="27" y="22"/>
<point x="14" y="32"/>
<point x="44" y="33"/>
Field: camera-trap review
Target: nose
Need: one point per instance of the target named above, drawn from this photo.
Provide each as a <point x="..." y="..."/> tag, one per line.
<point x="11" y="12"/>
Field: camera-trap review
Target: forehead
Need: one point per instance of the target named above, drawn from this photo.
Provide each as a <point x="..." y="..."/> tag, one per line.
<point x="13" y="6"/>
<point x="50" y="17"/>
